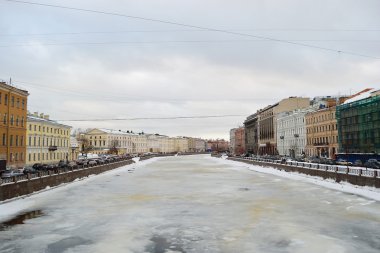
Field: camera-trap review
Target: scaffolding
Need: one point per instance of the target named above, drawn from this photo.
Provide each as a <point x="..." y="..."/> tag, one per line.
<point x="359" y="126"/>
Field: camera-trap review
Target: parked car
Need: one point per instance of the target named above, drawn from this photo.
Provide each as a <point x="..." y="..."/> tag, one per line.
<point x="92" y="163"/>
<point x="358" y="163"/>
<point x="343" y="162"/>
<point x="372" y="163"/>
<point x="29" y="170"/>
<point x="62" y="164"/>
<point x="72" y="165"/>
<point x="40" y="166"/>
<point x="82" y="162"/>
<point x="10" y="173"/>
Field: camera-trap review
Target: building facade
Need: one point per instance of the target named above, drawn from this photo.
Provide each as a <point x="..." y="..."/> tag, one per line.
<point x="322" y="133"/>
<point x="106" y="141"/>
<point x="251" y="134"/>
<point x="267" y="117"/>
<point x="13" y="114"/>
<point x="359" y="125"/>
<point x="219" y="145"/>
<point x="291" y="133"/>
<point x="237" y="141"/>
<point x="48" y="141"/>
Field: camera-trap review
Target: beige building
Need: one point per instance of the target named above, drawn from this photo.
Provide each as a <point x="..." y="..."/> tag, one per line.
<point x="267" y="122"/>
<point x="47" y="140"/>
<point x="104" y="141"/>
<point x="322" y="133"/>
<point x="181" y="144"/>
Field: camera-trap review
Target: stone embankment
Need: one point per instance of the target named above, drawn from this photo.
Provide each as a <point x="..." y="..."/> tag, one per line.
<point x="353" y="175"/>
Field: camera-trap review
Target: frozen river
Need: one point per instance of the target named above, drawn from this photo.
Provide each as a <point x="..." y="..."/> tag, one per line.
<point x="192" y="204"/>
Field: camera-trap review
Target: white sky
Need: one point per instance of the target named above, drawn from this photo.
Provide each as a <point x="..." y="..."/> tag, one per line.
<point x="46" y="51"/>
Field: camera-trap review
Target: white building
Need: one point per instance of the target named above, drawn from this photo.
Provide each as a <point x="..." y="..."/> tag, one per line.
<point x="103" y="140"/>
<point x="291" y="133"/>
<point x="232" y="140"/>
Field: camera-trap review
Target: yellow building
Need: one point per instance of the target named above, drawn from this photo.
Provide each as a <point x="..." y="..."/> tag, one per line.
<point x="13" y="108"/>
<point x="322" y="133"/>
<point x="48" y="141"/>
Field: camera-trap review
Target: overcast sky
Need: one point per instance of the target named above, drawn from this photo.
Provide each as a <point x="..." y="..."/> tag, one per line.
<point x="81" y="65"/>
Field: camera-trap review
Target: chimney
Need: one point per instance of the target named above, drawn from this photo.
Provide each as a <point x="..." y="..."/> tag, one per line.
<point x="46" y="116"/>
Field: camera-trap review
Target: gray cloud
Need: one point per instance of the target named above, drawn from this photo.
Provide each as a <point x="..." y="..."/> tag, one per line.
<point x="176" y="79"/>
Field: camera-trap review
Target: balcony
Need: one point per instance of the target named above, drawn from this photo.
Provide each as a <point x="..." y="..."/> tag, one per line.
<point x="53" y="148"/>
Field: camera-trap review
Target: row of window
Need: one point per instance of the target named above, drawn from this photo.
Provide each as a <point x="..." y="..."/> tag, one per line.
<point x="326" y="140"/>
<point x="40" y="157"/>
<point x="18" y="121"/>
<point x="320" y="118"/>
<point x="14" y="140"/>
<point x="15" y="157"/>
<point x="13" y="101"/>
<point x="48" y="129"/>
<point x="321" y="129"/>
<point x="46" y="141"/>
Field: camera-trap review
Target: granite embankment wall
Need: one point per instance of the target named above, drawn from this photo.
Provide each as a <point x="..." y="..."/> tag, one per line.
<point x="41" y="181"/>
<point x="358" y="179"/>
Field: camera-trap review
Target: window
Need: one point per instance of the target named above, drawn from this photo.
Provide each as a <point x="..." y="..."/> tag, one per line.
<point x="23" y="104"/>
<point x="11" y="157"/>
<point x="30" y="157"/>
<point x="5" y="118"/>
<point x="4" y="140"/>
<point x="30" y="141"/>
<point x="17" y="120"/>
<point x="22" y="121"/>
<point x="13" y="101"/>
<point x="21" y="156"/>
<point x="16" y="157"/>
<point x="35" y="128"/>
<point x="22" y="141"/>
<point x="34" y="141"/>
<point x="11" y="140"/>
<point x="12" y="119"/>
<point x="30" y="127"/>
<point x="39" y="128"/>
<point x="16" y="140"/>
<point x="6" y="99"/>
<point x="34" y="157"/>
<point x="18" y="103"/>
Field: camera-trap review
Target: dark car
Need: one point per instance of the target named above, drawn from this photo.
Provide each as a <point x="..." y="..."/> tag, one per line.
<point x="62" y="164"/>
<point x="40" y="166"/>
<point x="372" y="163"/>
<point x="52" y="167"/>
<point x="29" y="170"/>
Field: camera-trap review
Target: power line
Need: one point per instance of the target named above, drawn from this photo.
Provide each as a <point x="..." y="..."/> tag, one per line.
<point x="190" y="30"/>
<point x="164" y="42"/>
<point x="194" y="26"/>
<point x="155" y="118"/>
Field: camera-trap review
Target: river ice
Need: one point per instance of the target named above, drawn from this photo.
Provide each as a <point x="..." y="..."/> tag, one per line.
<point x="192" y="204"/>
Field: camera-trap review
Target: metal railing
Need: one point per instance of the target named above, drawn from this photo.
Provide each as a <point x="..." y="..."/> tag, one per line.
<point x="350" y="170"/>
<point x="47" y="173"/>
